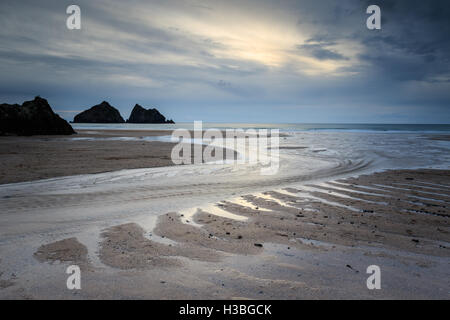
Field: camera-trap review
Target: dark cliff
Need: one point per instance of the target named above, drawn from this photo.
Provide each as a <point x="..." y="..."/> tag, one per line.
<point x="34" y="117"/>
<point x="101" y="113"/>
<point x="141" y="115"/>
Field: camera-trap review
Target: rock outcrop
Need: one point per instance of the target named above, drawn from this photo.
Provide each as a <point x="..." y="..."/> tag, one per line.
<point x="101" y="113"/>
<point x="141" y="115"/>
<point x="32" y="118"/>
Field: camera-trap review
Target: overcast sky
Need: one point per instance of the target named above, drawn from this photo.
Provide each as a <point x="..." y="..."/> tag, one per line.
<point x="232" y="60"/>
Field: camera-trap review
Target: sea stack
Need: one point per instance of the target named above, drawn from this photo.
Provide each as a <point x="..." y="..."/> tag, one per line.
<point x="32" y="118"/>
<point x="141" y="115"/>
<point x="101" y="113"/>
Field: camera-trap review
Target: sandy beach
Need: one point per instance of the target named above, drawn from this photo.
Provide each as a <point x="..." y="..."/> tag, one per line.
<point x="42" y="157"/>
<point x="141" y="228"/>
<point x="90" y="151"/>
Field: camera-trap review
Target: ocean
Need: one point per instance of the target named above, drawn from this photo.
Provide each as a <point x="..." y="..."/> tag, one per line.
<point x="284" y="127"/>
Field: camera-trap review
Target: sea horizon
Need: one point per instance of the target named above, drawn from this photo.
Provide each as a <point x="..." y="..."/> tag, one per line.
<point x="283" y="127"/>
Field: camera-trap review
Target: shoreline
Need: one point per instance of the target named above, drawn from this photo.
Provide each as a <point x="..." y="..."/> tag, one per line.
<point x="91" y="151"/>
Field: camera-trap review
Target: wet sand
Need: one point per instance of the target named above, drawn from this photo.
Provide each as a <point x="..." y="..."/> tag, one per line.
<point x="89" y="151"/>
<point x="405" y="221"/>
<point x="399" y="215"/>
<point x="42" y="157"/>
<point x="313" y="241"/>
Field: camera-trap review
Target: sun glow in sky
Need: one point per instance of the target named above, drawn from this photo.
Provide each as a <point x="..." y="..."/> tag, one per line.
<point x="235" y="35"/>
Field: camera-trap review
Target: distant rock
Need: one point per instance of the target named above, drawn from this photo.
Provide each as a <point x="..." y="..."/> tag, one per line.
<point x="141" y="115"/>
<point x="101" y="113"/>
<point x="32" y="118"/>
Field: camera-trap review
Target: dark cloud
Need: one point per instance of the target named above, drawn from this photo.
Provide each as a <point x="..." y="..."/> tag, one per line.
<point x="320" y="52"/>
